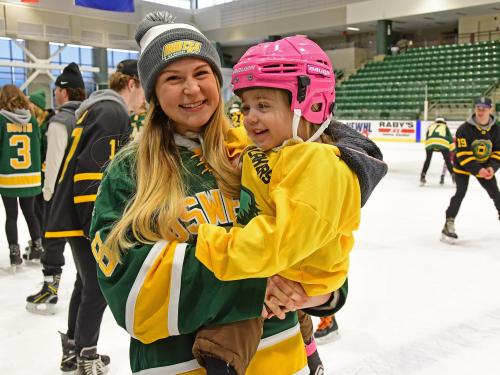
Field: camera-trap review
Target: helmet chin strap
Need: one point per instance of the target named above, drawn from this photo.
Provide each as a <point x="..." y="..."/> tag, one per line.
<point x="297" y="115"/>
<point x="320" y="130"/>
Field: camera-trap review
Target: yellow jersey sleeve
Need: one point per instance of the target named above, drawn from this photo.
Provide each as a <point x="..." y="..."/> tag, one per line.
<point x="236" y="141"/>
<point x="316" y="197"/>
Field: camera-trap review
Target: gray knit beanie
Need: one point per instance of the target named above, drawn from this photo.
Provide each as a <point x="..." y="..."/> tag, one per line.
<point x="162" y="41"/>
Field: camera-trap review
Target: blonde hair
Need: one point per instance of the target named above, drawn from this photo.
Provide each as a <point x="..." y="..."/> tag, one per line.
<point x="159" y="200"/>
<point x="39" y="114"/>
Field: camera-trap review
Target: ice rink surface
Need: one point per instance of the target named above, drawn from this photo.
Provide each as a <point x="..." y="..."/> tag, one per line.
<point x="416" y="305"/>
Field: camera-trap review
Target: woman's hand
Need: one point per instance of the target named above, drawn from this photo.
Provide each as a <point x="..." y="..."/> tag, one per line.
<point x="283" y="295"/>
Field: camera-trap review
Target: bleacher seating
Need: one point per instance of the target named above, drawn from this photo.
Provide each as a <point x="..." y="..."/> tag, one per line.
<point x="395" y="87"/>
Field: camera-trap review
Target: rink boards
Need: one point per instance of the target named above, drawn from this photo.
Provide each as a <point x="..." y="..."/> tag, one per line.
<point x="395" y="130"/>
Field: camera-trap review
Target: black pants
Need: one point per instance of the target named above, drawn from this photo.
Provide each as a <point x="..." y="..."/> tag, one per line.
<point x="446" y="157"/>
<point x="53" y="249"/>
<point x="28" y="207"/>
<point x="462" y="181"/>
<point x="40" y="209"/>
<point x="87" y="303"/>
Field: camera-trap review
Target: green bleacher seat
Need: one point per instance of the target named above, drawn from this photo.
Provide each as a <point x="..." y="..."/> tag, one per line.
<point x="396" y="86"/>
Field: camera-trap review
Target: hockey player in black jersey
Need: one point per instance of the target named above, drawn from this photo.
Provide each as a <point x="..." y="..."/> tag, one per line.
<point x="102" y="127"/>
<point x="478" y="154"/>
<point x="69" y="93"/>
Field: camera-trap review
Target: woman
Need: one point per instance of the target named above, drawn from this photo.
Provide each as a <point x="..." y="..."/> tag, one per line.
<point x="20" y="176"/>
<point x="153" y="197"/>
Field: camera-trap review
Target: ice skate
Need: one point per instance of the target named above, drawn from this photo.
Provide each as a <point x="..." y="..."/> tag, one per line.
<point x="441" y="180"/>
<point x="15" y="257"/>
<point x="68" y="361"/>
<point x="91" y="363"/>
<point x="448" y="233"/>
<point x="44" y="302"/>
<point x="34" y="250"/>
<point x="422" y="179"/>
<point x="327" y="331"/>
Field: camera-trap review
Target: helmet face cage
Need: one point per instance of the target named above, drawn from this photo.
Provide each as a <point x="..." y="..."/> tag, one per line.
<point x="295" y="64"/>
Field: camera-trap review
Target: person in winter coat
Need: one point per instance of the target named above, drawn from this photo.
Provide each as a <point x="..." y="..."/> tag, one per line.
<point x="101" y="129"/>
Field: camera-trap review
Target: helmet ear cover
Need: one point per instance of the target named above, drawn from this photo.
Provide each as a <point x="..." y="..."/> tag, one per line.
<point x="303" y="81"/>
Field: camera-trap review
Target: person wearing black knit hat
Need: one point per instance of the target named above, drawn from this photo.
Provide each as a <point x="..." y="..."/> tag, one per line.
<point x="71" y="77"/>
<point x="101" y="127"/>
<point x="68" y="94"/>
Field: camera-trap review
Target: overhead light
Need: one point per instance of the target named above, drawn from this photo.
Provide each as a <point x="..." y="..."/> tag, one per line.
<point x="353" y="28"/>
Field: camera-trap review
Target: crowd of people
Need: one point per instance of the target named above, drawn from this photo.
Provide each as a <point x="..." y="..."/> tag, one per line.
<point x="202" y="237"/>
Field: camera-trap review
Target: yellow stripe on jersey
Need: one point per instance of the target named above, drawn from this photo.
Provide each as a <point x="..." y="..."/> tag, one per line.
<point x="20" y="180"/>
<point x="82" y="117"/>
<point x="285" y="348"/>
<point x="87" y="177"/>
<point x="64" y="233"/>
<point x="466" y="161"/>
<point x="437" y="141"/>
<point x="495" y="156"/>
<point x="148" y="302"/>
<point x="462" y="153"/>
<point x="84" y="198"/>
<point x="459" y="171"/>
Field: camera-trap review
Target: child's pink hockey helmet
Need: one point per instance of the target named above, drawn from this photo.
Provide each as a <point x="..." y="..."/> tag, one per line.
<point x="295" y="64"/>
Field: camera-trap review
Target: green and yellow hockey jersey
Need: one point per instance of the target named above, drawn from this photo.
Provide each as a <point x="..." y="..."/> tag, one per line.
<point x="439" y="137"/>
<point x="20" y="164"/>
<point x="299" y="206"/>
<point x="161" y="294"/>
<point x="136" y="123"/>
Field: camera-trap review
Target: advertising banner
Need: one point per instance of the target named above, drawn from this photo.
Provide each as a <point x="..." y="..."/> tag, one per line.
<point x="386" y="130"/>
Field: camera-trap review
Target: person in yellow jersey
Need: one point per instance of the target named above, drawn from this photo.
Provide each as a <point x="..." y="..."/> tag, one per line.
<point x="235" y="115"/>
<point x="438" y="139"/>
<point x="152" y="198"/>
<point x="300" y="201"/>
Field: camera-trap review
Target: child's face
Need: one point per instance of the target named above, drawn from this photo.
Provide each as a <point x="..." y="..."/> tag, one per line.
<point x="267" y="117"/>
<point x="188" y="93"/>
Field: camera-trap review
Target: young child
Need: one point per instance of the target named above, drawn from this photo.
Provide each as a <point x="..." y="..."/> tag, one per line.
<point x="300" y="196"/>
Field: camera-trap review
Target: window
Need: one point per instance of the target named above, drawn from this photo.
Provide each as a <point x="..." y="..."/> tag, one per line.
<point x="185" y="4"/>
<point x="11" y="51"/>
<point x="190" y="4"/>
<point x="117" y="55"/>
<point x="210" y="3"/>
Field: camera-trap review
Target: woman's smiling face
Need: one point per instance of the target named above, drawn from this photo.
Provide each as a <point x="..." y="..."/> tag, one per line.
<point x="188" y="94"/>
